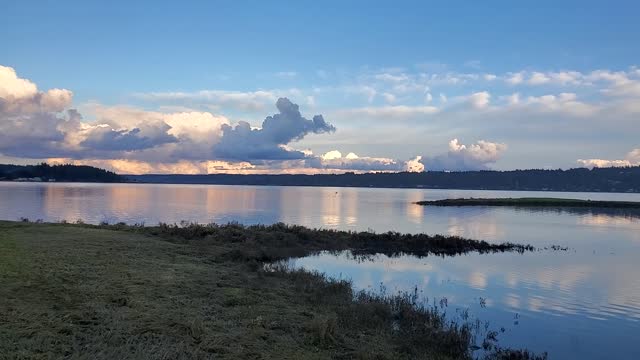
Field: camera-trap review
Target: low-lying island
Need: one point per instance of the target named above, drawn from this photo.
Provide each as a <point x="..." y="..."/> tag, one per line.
<point x="533" y="202"/>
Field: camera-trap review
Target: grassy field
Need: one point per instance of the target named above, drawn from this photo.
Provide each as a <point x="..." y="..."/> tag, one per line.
<point x="533" y="202"/>
<point x="195" y="292"/>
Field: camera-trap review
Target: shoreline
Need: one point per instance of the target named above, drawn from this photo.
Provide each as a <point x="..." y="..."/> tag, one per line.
<point x="192" y="291"/>
<point x="534" y="202"/>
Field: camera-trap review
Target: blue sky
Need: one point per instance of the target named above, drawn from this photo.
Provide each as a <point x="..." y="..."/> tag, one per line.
<point x="541" y="84"/>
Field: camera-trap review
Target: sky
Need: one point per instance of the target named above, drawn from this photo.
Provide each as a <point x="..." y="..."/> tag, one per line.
<point x="320" y="87"/>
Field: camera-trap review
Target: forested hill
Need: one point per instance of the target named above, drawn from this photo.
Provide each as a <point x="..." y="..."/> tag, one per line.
<point x="625" y="179"/>
<point x="44" y="172"/>
<point x="581" y="179"/>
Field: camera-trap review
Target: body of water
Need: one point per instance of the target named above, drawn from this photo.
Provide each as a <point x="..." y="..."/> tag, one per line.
<point x="583" y="303"/>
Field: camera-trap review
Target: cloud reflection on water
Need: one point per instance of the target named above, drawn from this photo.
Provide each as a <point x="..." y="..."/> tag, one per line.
<point x="532" y="289"/>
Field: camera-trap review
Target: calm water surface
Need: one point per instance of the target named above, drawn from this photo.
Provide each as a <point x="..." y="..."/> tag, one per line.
<point x="580" y="304"/>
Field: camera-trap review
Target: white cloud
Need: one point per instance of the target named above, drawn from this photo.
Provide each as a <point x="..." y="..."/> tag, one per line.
<point x="538" y="78"/>
<point x="567" y="77"/>
<point x="331" y="155"/>
<point x="178" y="130"/>
<point x="199" y="126"/>
<point x="21" y="96"/>
<point x="631" y="159"/>
<point x="479" y="100"/>
<point x="603" y="163"/>
<point x="490" y="77"/>
<point x="619" y="84"/>
<point x="515" y="78"/>
<point x="565" y="103"/>
<point x="334" y="160"/>
<point x="557" y="78"/>
<point x="415" y="164"/>
<point x="484" y="151"/>
<point x="465" y="157"/>
<point x="389" y="98"/>
<point x="13" y="86"/>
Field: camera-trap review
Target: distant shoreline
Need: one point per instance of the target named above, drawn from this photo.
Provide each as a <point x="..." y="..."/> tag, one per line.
<point x="533" y="202"/>
<point x="601" y="180"/>
<point x="318" y="186"/>
<point x="618" y="180"/>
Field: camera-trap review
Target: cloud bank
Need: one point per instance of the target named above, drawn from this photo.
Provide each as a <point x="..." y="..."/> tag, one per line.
<point x="631" y="159"/>
<point x="43" y="124"/>
<point x="461" y="157"/>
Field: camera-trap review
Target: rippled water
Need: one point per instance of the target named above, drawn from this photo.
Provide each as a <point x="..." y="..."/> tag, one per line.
<point x="580" y="304"/>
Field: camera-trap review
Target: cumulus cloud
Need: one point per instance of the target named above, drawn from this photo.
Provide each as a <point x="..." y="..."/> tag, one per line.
<point x="242" y="143"/>
<point x="31" y="121"/>
<point x="620" y="83"/>
<point x="538" y="78"/>
<point x="515" y="78"/>
<point x="13" y="86"/>
<point x="631" y="159"/>
<point x="461" y="157"/>
<point x="124" y="132"/>
<point x="36" y="124"/>
<point x="565" y="103"/>
<point x="557" y="78"/>
<point x="20" y="96"/>
<point x="415" y="164"/>
<point x="479" y="100"/>
<point x="334" y="160"/>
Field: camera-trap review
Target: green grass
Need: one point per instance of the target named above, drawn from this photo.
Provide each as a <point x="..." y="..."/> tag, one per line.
<point x="118" y="292"/>
<point x="533" y="202"/>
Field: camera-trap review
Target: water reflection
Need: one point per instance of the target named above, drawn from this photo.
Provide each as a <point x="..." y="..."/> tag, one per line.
<point x="344" y="208"/>
<point x="350" y="199"/>
<point x="545" y="301"/>
<point x="415" y="213"/>
<point x="583" y="303"/>
<point x="630" y="213"/>
<point x="330" y="207"/>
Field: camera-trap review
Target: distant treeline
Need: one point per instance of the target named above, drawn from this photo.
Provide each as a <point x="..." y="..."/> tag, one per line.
<point x="622" y="179"/>
<point x="45" y="172"/>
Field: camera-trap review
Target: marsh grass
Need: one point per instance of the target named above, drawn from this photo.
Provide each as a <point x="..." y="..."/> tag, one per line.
<point x="268" y="243"/>
<point x="534" y="202"/>
<point x="80" y="291"/>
